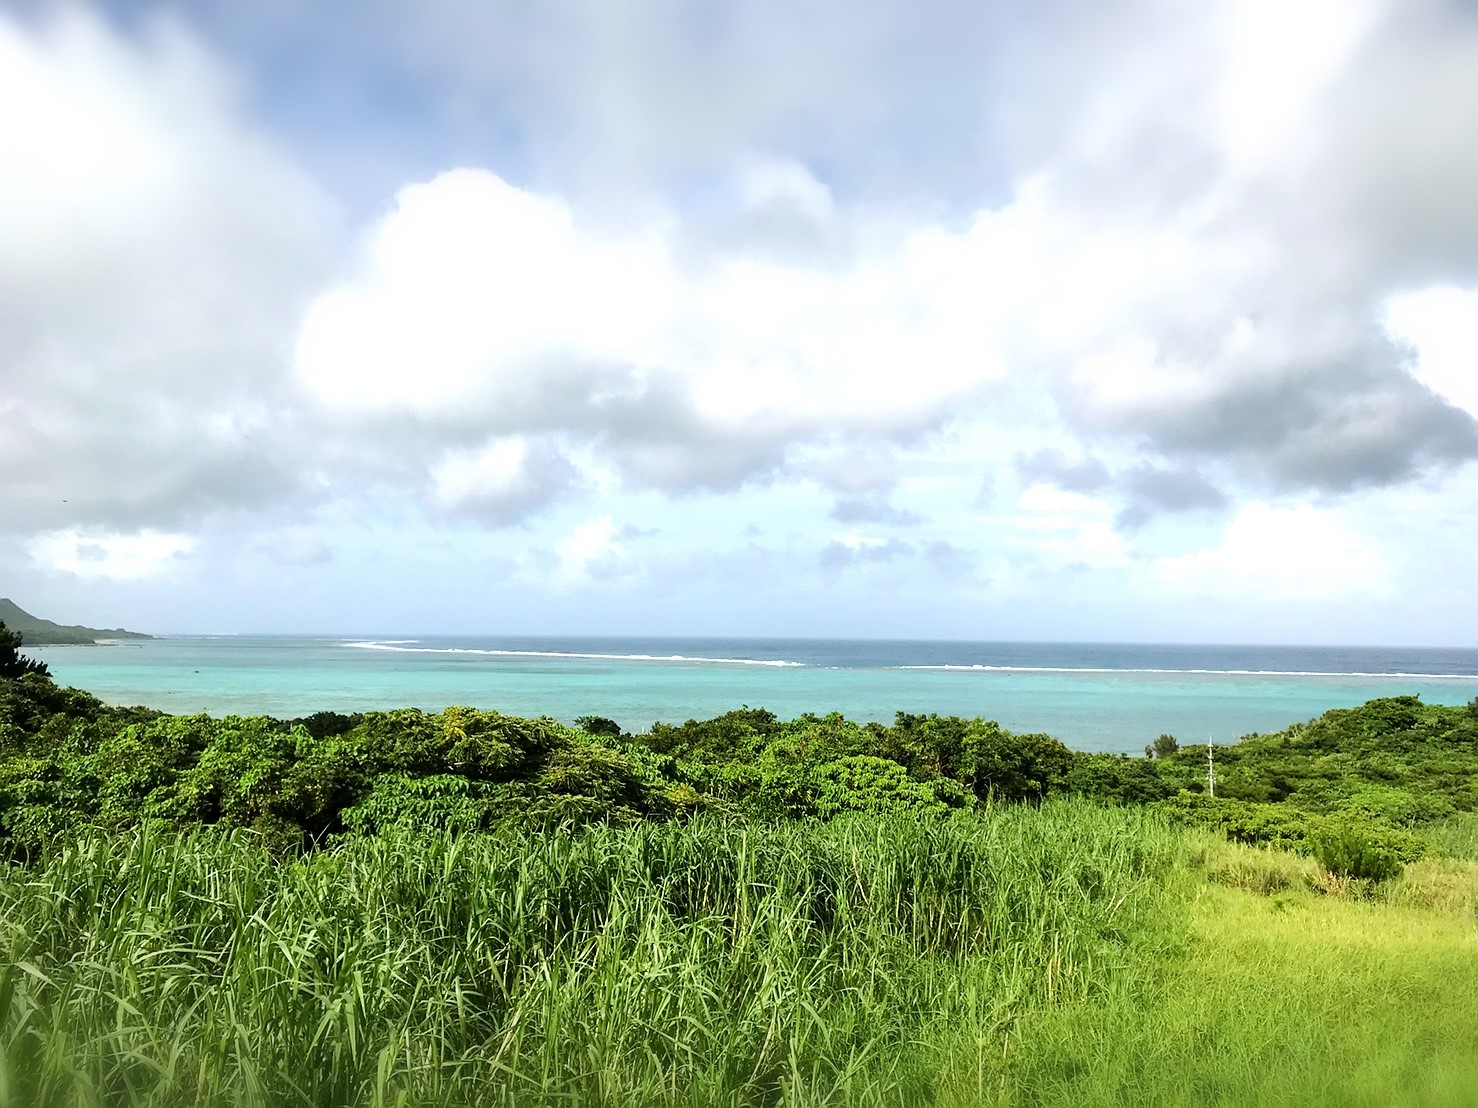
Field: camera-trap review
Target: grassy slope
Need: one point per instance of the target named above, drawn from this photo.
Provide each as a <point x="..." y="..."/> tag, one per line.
<point x="662" y="965"/>
<point x="1276" y="996"/>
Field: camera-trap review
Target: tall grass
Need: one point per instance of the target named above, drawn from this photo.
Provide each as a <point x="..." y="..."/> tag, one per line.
<point x="710" y="963"/>
<point x="1456" y="837"/>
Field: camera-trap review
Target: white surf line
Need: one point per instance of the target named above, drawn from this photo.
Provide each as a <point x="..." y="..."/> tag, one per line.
<point x="1201" y="672"/>
<point x="774" y="663"/>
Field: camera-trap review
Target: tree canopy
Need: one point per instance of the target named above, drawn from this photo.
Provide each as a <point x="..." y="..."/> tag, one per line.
<point x="12" y="662"/>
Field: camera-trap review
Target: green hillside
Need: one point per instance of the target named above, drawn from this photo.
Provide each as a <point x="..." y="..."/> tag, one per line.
<point x="459" y="909"/>
<point x="43" y="632"/>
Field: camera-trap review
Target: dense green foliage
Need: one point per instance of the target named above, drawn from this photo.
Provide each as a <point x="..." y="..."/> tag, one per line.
<point x="1346" y="852"/>
<point x="67" y="760"/>
<point x="13" y="663"/>
<point x="1380" y="773"/>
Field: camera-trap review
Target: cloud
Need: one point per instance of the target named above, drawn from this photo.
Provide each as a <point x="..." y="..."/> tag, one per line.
<point x="1219" y="231"/>
<point x="624" y="104"/>
<point x="1270" y="553"/>
<point x="504" y="480"/>
<point x="948" y="560"/>
<point x="1195" y="266"/>
<point x="296" y="546"/>
<point x="1145" y="490"/>
<point x="482" y="308"/>
<point x="1085" y="475"/>
<point x="93" y="554"/>
<point x="1441" y="324"/>
<point x="1209" y="252"/>
<point x="156" y="253"/>
<point x="853" y="547"/>
<point x="858" y="469"/>
<point x="589" y="551"/>
<point x="872" y="508"/>
<point x="1153" y="491"/>
<point x="1059" y="529"/>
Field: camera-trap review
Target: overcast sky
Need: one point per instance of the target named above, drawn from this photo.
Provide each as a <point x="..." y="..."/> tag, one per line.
<point x="1142" y="321"/>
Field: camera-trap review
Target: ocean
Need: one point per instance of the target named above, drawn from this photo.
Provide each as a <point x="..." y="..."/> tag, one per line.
<point x="1093" y="696"/>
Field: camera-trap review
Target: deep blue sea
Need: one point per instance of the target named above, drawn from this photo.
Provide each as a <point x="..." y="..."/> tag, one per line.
<point x="1093" y="696"/>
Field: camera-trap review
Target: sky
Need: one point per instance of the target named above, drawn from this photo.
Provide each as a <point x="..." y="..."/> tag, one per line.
<point x="1017" y="319"/>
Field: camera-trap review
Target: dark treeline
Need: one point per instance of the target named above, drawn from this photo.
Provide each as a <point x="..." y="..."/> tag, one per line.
<point x="1381" y="772"/>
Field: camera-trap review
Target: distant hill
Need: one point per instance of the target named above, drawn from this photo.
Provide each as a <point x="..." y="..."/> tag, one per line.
<point x="43" y="632"/>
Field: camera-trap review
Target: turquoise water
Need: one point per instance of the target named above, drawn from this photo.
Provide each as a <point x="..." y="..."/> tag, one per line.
<point x="1093" y="696"/>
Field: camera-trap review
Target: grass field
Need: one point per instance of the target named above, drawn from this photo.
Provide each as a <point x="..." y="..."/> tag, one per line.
<point x="1068" y="954"/>
<point x="1287" y="988"/>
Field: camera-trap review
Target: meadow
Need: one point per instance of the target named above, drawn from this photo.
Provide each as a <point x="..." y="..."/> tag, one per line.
<point x="464" y="908"/>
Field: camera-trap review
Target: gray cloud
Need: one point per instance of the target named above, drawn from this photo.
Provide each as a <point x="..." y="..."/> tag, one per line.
<point x="859" y="469"/>
<point x="1152" y="491"/>
<point x="949" y="561"/>
<point x="685" y="455"/>
<point x="873" y="508"/>
<point x="1145" y="491"/>
<point x="147" y="302"/>
<point x="1329" y="425"/>
<point x="1084" y="475"/>
<point x="1266" y="337"/>
<point x="514" y="490"/>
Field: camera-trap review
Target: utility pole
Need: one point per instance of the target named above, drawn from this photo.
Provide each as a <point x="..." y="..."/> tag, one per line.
<point x="1210" y="765"/>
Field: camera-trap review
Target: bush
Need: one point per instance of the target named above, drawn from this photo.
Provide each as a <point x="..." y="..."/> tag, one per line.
<point x="1347" y="851"/>
<point x="1349" y="842"/>
<point x="866" y="784"/>
<point x="1162" y="747"/>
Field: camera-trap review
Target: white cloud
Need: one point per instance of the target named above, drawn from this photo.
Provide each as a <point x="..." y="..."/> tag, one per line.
<point x="1063" y="528"/>
<point x="482" y="304"/>
<point x="856" y="541"/>
<point x="154" y="254"/>
<point x="1441" y="322"/>
<point x="590" y="550"/>
<point x="1055" y="503"/>
<point x="775" y="183"/>
<point x="1280" y="55"/>
<point x="1279" y="554"/>
<point x="1186" y="268"/>
<point x="99" y="554"/>
<point x="502" y="481"/>
<point x="1212" y="232"/>
<point x="475" y="293"/>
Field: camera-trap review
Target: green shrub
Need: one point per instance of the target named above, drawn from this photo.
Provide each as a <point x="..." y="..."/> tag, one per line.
<point x="866" y="784"/>
<point x="1242" y="821"/>
<point x="1349" y="851"/>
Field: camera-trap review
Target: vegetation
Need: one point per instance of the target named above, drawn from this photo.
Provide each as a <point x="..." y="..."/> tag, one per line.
<point x="1384" y="773"/>
<point x="702" y="964"/>
<point x="13" y="663"/>
<point x="464" y="908"/>
<point x="43" y="632"/>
